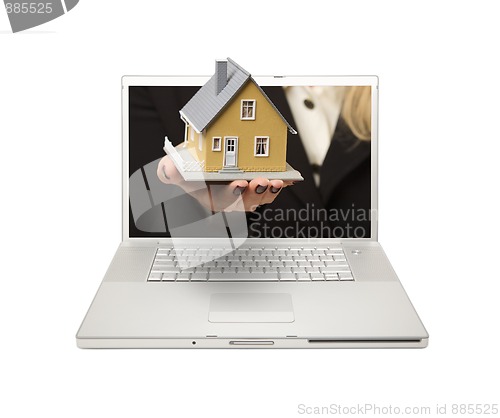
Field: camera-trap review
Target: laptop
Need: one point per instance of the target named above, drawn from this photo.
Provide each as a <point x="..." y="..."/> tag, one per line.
<point x="230" y="258"/>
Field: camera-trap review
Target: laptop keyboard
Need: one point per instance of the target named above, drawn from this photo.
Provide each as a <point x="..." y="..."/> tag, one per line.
<point x="256" y="264"/>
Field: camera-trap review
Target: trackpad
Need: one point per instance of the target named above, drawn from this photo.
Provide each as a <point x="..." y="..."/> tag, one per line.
<point x="251" y="307"/>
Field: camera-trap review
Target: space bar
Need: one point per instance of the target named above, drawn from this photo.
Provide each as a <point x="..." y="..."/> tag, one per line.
<point x="240" y="276"/>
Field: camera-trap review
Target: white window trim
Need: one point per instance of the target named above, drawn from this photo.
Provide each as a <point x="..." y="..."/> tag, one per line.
<point x="213" y="143"/>
<point x="200" y="141"/>
<point x="255" y="146"/>
<point x="254" y="109"/>
<point x="191" y="133"/>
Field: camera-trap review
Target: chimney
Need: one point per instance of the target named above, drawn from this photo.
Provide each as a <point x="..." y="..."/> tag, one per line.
<point x="220" y="75"/>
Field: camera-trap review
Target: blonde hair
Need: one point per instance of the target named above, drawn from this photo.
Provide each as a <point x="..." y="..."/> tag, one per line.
<point x="357" y="111"/>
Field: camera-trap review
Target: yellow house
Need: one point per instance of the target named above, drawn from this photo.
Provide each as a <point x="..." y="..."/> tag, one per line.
<point x="232" y="126"/>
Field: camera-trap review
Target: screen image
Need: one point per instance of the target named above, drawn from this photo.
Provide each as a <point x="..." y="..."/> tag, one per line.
<point x="326" y="136"/>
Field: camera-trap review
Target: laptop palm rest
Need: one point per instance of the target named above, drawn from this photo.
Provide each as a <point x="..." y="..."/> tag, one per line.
<point x="251" y="307"/>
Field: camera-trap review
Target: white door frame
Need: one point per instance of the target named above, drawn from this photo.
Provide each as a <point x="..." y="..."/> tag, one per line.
<point x="235" y="150"/>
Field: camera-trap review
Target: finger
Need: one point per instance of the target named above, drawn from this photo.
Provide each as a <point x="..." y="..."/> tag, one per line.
<point x="227" y="197"/>
<point x="167" y="172"/>
<point x="238" y="187"/>
<point x="258" y="185"/>
<point x="253" y="195"/>
<point x="275" y="187"/>
<point x="231" y="196"/>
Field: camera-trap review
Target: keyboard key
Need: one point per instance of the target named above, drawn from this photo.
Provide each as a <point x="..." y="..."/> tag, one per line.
<point x="317" y="276"/>
<point x="332" y="262"/>
<point x="243" y="276"/>
<point x="162" y="257"/>
<point x="286" y="277"/>
<point x="165" y="269"/>
<point x="163" y="251"/>
<point x="333" y="252"/>
<point x="345" y="276"/>
<point x="331" y="276"/>
<point x="208" y="265"/>
<point x="335" y="269"/>
<point x="165" y="263"/>
<point x="168" y="278"/>
<point x="183" y="277"/>
<point x="199" y="277"/>
<point x="273" y="259"/>
<point x="155" y="277"/>
<point x="303" y="276"/>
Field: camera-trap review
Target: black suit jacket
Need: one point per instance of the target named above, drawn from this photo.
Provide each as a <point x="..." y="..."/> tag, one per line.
<point x="339" y="207"/>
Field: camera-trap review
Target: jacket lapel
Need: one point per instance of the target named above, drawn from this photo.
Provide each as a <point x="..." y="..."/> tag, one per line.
<point x="306" y="190"/>
<point x="346" y="152"/>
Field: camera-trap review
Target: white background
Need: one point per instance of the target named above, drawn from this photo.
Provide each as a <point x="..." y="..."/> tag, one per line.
<point x="60" y="217"/>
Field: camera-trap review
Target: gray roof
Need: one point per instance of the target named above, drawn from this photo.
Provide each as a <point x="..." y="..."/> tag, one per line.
<point x="206" y="105"/>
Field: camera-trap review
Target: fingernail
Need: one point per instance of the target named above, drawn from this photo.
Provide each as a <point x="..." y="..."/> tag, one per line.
<point x="239" y="190"/>
<point x="260" y="189"/>
<point x="164" y="173"/>
<point x="275" y="189"/>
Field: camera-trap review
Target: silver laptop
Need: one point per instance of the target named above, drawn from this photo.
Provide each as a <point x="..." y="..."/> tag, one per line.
<point x="200" y="268"/>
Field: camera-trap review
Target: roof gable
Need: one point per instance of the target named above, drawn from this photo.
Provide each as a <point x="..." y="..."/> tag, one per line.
<point x="206" y="104"/>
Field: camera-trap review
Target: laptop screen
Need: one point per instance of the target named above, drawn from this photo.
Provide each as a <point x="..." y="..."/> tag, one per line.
<point x="289" y="161"/>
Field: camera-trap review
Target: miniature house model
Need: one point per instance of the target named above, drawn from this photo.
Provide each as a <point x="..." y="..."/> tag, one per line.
<point x="231" y="128"/>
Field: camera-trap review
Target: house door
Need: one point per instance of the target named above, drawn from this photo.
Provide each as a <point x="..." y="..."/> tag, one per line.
<point x="230" y="151"/>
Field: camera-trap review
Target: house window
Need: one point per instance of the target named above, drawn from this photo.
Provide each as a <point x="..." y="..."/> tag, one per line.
<point x="261" y="146"/>
<point x="216" y="143"/>
<point x="248" y="109"/>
